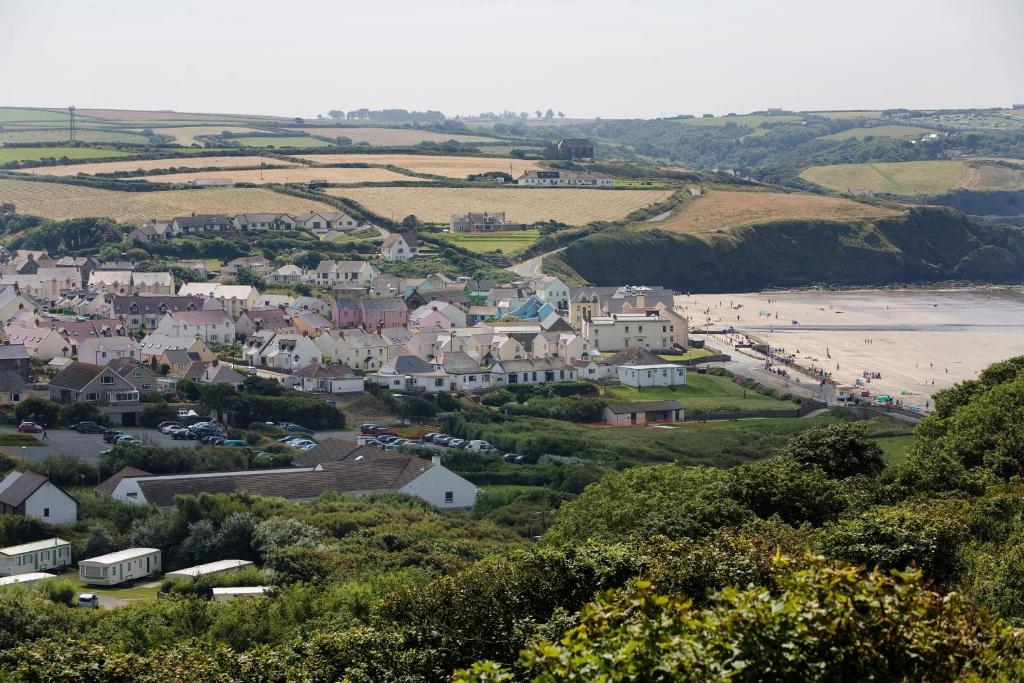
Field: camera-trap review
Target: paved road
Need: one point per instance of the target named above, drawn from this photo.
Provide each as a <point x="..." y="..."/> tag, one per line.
<point x="532" y="267"/>
<point x="87" y="446"/>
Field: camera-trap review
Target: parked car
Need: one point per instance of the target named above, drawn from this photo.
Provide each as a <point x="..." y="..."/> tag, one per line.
<point x="30" y="427"/>
<point x="368" y="428"/>
<point x="372" y="442"/>
<point x="89" y="601"/>
<point x="428" y="436"/>
<point x="127" y="440"/>
<point x="184" y="435"/>
<point x="304" y="444"/>
<point x="292" y="427"/>
<point x="510" y="457"/>
<point x="456" y="443"/>
<point x="237" y="443"/>
<point x="479" y="445"/>
<point x="112" y="435"/>
<point x="289" y="439"/>
<point x="383" y="431"/>
<point x="88" y="427"/>
<point x="165" y="426"/>
<point x="444" y="440"/>
<point x="211" y="439"/>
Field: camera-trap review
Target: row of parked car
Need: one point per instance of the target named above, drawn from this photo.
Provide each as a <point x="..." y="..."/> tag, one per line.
<point x="382" y="437"/>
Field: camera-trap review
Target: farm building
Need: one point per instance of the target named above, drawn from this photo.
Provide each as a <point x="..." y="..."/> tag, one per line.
<point x="32" y="495"/>
<point x="24" y="578"/>
<point x="569" y="149"/>
<point x="124" y="565"/>
<point x="643" y="412"/>
<point x="52" y="553"/>
<point x="483" y="222"/>
<point x="207" y="569"/>
<point x="228" y="593"/>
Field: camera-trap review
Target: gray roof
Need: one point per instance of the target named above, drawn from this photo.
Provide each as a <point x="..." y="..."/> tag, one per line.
<point x="108" y="485"/>
<point x="202" y="219"/>
<point x="364" y="469"/>
<point x="459" y="362"/>
<point x="643" y="406"/>
<point x="122" y="305"/>
<point x="76" y="376"/>
<point x="383" y="305"/>
<point x="21" y="488"/>
<point x="13" y="352"/>
<point x="11" y="382"/>
<point x="328" y="450"/>
<point x="407" y="365"/>
<point x="635" y="356"/>
<point x="324" y="371"/>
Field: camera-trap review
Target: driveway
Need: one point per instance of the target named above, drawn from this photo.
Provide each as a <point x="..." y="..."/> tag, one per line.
<point x="87" y="446"/>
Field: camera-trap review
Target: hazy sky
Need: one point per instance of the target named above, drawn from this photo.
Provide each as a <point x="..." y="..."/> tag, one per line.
<point x="584" y="57"/>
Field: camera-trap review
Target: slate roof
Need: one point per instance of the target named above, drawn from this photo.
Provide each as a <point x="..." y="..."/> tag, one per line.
<point x="151" y="304"/>
<point x="328" y="450"/>
<point x="635" y="356"/>
<point x="21" y="488"/>
<point x="409" y="365"/>
<point x="458" y="362"/>
<point x="383" y="305"/>
<point x="643" y="406"/>
<point x="324" y="371"/>
<point x="13" y="352"/>
<point x="76" y="376"/>
<point x="108" y="485"/>
<point x="201" y="220"/>
<point x="364" y="469"/>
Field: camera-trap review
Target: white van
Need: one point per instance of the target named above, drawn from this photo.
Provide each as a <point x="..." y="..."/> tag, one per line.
<point x="479" y="445"/>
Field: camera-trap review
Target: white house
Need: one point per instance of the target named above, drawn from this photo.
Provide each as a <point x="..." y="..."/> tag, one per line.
<point x="102" y="350"/>
<point x="118" y="567"/>
<point x="233" y="298"/>
<point x="354" y="348"/>
<point x="282" y="351"/>
<point x="207" y="569"/>
<point x="535" y="371"/>
<point x="563" y="179"/>
<point x="229" y="593"/>
<point x="210" y="326"/>
<point x="400" y="246"/>
<point x="32" y="495"/>
<point x="322" y="221"/>
<point x="327" y="379"/>
<point x="621" y="331"/>
<point x="356" y="274"/>
<point x="52" y="553"/>
<point x="551" y="290"/>
<point x="660" y="375"/>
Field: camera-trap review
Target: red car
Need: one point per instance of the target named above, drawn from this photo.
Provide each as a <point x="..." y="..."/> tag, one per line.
<point x="30" y="428"/>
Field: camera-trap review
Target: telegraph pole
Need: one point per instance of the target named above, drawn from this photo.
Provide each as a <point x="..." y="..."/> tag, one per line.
<point x="71" y="120"/>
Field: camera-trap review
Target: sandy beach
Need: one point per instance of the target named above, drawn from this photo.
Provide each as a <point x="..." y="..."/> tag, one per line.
<point x="919" y="341"/>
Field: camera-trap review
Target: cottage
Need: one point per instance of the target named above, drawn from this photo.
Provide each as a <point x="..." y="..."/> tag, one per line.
<point x="483" y="222"/>
<point x="323" y="221"/>
<point x="354" y="348"/>
<point x="310" y="323"/>
<point x="273" y="319"/>
<point x="400" y="246"/>
<point x="28" y="494"/>
<point x="123" y="565"/>
<point x="328" y="379"/>
<point x="535" y="371"/>
<point x="215" y="327"/>
<point x="258" y="265"/>
<point x="156" y="345"/>
<point x="281" y="351"/>
<point x="643" y="412"/>
<point x="380" y="313"/>
<point x="43" y="343"/>
<point x="154" y="231"/>
<point x="201" y="223"/>
<point x="252" y="222"/>
<point x="52" y="553"/>
<point x="347" y="274"/>
<point x="233" y="298"/>
<point x="564" y="179"/>
<point x="288" y="274"/>
<point x="570" y="149"/>
<point x="638" y="368"/>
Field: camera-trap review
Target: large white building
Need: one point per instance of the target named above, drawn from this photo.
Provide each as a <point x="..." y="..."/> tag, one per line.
<point x="123" y="565"/>
<point x="563" y="179"/>
<point x="621" y="331"/>
<point x="52" y="553"/>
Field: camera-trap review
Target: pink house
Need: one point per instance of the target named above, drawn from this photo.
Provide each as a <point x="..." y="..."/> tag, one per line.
<point x="433" y="318"/>
<point x="346" y="313"/>
<point x="383" y="313"/>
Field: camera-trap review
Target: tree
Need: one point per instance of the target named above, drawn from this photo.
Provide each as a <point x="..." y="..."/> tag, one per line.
<point x="561" y="115"/>
<point x="826" y="622"/>
<point x="79" y="411"/>
<point x="549" y="114"/>
<point x="245" y="276"/>
<point x="841" y="450"/>
<point x="99" y="541"/>
<point x="262" y="386"/>
<point x="336" y="114"/>
<point x="298" y="120"/>
<point x="539" y="113"/>
<point x="36" y="409"/>
<point x="410" y="222"/>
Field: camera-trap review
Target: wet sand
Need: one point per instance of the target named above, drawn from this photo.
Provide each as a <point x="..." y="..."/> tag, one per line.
<point x="920" y="340"/>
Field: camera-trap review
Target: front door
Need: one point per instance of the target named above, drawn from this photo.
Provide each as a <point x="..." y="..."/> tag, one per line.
<point x="128" y="419"/>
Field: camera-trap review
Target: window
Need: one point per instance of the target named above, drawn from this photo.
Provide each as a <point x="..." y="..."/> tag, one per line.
<point x="91" y="397"/>
<point x="46" y="512"/>
<point x="439" y="382"/>
<point x="133" y="494"/>
<point x="449" y="496"/>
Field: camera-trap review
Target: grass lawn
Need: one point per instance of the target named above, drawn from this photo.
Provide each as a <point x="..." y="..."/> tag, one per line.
<point x="505" y="242"/>
<point x="136" y="592"/>
<point x="894" y="448"/>
<point x="702" y="392"/>
<point x="689" y="355"/>
<point x="18" y="439"/>
<point x="299" y="141"/>
<point x="36" y="153"/>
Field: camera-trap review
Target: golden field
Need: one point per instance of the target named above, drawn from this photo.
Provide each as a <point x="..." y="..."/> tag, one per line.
<point x="721" y="209"/>
<point x="573" y="206"/>
<point x="59" y="201"/>
<point x="298" y="174"/>
<point x="451" y="167"/>
<point x="186" y="135"/>
<point x="153" y="164"/>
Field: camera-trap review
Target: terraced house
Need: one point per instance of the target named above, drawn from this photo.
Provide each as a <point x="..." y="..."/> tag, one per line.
<point x="144" y="312"/>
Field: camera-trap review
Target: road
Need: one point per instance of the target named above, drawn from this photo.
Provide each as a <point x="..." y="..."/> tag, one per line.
<point x="87" y="446"/>
<point x="532" y="267"/>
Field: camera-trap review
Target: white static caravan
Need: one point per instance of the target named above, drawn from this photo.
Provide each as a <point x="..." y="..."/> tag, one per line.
<point x="53" y="553"/>
<point x="25" y="578"/>
<point x="124" y="565"/>
<point x="207" y="569"/>
<point x="231" y="592"/>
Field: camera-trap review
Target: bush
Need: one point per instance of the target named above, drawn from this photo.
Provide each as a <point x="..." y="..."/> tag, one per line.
<point x="81" y="412"/>
<point x="155" y="413"/>
<point x="46" y="413"/>
<point x="60" y="591"/>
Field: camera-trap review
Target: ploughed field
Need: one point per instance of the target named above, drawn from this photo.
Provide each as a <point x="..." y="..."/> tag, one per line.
<point x="449" y="166"/>
<point x="60" y="201"/>
<point x="723" y="209"/>
<point x="573" y="206"/>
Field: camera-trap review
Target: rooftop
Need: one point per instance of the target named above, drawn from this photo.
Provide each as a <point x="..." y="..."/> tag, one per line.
<point x="121" y="555"/>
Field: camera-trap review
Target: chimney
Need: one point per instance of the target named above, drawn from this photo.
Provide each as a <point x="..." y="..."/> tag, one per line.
<point x="640" y="300"/>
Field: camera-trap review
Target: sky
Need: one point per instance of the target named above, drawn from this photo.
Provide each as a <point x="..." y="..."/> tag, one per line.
<point x="614" y="59"/>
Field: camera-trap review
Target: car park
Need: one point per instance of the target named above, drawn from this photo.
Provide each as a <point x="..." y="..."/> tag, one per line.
<point x="88" y="427"/>
<point x="30" y="427"/>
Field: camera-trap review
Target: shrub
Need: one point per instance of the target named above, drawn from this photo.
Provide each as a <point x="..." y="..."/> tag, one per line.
<point x="46" y="413"/>
<point x="60" y="591"/>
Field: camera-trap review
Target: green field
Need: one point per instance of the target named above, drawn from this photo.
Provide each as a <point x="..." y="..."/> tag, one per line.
<point x="131" y="593"/>
<point x="894" y="448"/>
<point x="702" y="392"/>
<point x="505" y="242"/>
<point x="22" y="114"/>
<point x="751" y="120"/>
<point x="903" y="178"/>
<point x="18" y="439"/>
<point x="879" y="132"/>
<point x="689" y="355"/>
<point x="61" y="135"/>
<point x="36" y="153"/>
<point x="845" y="115"/>
<point x="257" y="141"/>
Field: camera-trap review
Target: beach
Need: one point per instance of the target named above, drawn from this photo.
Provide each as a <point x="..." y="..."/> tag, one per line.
<point x="911" y="343"/>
